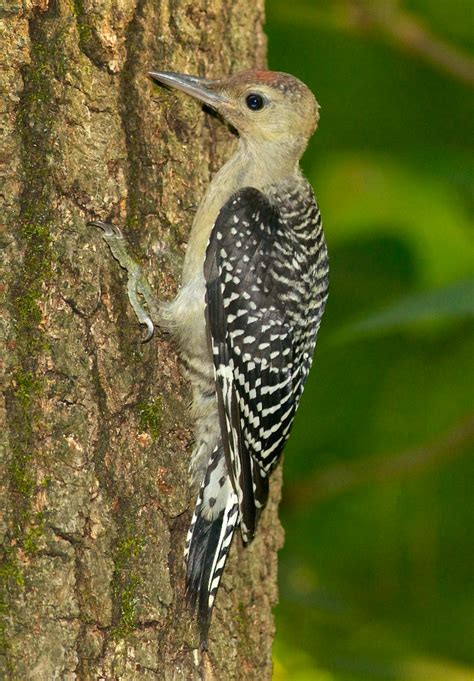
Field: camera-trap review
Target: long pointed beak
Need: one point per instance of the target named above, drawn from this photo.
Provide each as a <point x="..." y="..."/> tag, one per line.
<point x="200" y="88"/>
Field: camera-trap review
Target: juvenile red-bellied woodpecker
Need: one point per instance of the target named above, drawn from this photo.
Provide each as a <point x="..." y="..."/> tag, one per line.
<point x="253" y="291"/>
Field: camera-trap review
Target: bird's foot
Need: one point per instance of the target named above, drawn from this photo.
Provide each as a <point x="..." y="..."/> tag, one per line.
<point x="137" y="284"/>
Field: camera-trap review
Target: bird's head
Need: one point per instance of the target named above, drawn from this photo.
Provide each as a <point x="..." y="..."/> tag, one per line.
<point x="265" y="107"/>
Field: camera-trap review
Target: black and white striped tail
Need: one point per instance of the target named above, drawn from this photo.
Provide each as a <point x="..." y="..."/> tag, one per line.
<point x="207" y="545"/>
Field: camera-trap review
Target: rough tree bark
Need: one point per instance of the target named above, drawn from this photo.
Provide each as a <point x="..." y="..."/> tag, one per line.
<point x="96" y="439"/>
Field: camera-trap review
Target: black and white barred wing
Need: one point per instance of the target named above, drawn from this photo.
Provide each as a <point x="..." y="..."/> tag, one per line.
<point x="254" y="344"/>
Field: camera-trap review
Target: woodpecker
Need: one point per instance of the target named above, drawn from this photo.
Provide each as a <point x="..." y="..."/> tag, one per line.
<point x="254" y="287"/>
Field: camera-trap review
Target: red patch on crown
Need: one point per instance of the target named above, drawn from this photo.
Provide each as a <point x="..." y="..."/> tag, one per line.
<point x="275" y="79"/>
<point x="266" y="76"/>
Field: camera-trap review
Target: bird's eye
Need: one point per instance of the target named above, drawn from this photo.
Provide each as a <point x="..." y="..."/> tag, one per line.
<point x="255" y="102"/>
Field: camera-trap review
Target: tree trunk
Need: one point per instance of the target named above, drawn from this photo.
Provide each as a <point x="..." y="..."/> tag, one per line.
<point x="97" y="437"/>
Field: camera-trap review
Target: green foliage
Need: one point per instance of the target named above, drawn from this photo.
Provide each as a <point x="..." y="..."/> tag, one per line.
<point x="376" y="578"/>
<point x="447" y="304"/>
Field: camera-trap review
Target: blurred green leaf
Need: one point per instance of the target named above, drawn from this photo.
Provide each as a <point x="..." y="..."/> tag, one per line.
<point x="363" y="195"/>
<point x="449" y="303"/>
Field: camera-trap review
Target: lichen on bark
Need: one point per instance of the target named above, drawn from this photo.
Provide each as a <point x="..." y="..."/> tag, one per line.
<point x="96" y="435"/>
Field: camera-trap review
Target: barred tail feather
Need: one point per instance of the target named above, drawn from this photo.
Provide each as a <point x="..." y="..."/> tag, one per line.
<point x="207" y="547"/>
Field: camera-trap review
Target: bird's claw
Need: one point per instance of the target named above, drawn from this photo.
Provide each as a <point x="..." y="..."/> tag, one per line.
<point x="150" y="330"/>
<point x="137" y="283"/>
<point x="108" y="228"/>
